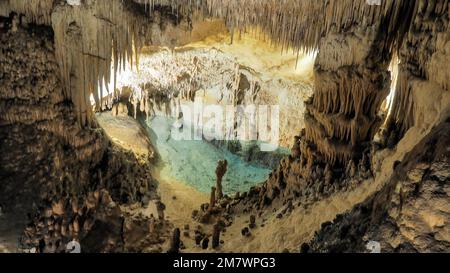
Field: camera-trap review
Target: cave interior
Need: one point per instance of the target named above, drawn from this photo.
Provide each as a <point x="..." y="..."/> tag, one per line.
<point x="224" y="125"/>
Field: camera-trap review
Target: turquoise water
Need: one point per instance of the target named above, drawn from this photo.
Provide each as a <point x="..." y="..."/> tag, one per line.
<point x="194" y="161"/>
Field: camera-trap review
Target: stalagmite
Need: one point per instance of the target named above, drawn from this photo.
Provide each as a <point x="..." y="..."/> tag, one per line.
<point x="160" y="207"/>
<point x="76" y="226"/>
<point x="212" y="199"/>
<point x="175" y="241"/>
<point x="216" y="236"/>
<point x="220" y="172"/>
<point x="252" y="223"/>
<point x="205" y="243"/>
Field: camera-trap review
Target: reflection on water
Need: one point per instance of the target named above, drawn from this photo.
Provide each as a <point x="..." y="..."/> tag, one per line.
<point x="194" y="161"/>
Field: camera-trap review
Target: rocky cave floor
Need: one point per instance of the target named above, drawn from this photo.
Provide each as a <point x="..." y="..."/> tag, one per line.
<point x="293" y="227"/>
<point x="290" y="224"/>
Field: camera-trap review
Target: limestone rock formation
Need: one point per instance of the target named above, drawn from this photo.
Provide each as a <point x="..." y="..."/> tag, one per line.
<point x="336" y="148"/>
<point x="175" y="241"/>
<point x="409" y="215"/>
<point x="220" y="172"/>
<point x="216" y="236"/>
<point x="56" y="163"/>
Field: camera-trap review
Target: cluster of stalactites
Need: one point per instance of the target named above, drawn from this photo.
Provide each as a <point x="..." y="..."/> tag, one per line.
<point x="300" y="24"/>
<point x="431" y="31"/>
<point x="89" y="36"/>
<point x="184" y="79"/>
<point x="36" y="11"/>
<point x="344" y="113"/>
<point x="342" y="116"/>
<point x="350" y="87"/>
<point x="89" y="40"/>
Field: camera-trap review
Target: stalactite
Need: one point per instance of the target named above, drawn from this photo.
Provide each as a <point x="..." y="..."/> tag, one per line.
<point x="422" y="57"/>
<point x="36" y="11"/>
<point x="84" y="53"/>
<point x="342" y="114"/>
<point x="113" y="33"/>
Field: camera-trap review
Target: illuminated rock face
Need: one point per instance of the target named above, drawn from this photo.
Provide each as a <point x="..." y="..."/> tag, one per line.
<point x="423" y="71"/>
<point x="402" y="216"/>
<point x="335" y="150"/>
<point x="408" y="215"/>
<point x="342" y="117"/>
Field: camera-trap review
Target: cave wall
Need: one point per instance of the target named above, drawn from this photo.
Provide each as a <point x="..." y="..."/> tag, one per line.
<point x="85" y="59"/>
<point x="422" y="89"/>
<point x="409" y="215"/>
<point x="49" y="163"/>
<point x="351" y="82"/>
<point x="336" y="151"/>
<point x="342" y="117"/>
